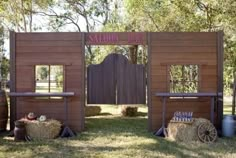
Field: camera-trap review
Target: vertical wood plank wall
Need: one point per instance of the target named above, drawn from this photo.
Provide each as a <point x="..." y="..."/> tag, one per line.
<point x="51" y="49"/>
<point x="175" y="49"/>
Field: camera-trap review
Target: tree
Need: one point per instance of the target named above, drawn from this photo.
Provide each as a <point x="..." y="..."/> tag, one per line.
<point x="4" y="62"/>
<point x="42" y="72"/>
<point x="5" y="68"/>
<point x="76" y="13"/>
<point x="18" y="14"/>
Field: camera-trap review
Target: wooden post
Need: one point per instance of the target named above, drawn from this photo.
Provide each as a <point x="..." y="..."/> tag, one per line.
<point x="212" y="109"/>
<point x="83" y="67"/>
<point x="220" y="59"/>
<point x="234" y="88"/>
<point x="12" y="78"/>
<point x="149" y="95"/>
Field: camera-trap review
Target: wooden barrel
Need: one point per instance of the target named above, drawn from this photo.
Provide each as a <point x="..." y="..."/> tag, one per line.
<point x="3" y="111"/>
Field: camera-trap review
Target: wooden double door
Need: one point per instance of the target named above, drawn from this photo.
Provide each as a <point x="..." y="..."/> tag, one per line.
<point x="116" y="81"/>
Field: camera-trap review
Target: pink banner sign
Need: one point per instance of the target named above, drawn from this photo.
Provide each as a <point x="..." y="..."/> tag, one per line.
<point x="117" y="38"/>
<point x="103" y="38"/>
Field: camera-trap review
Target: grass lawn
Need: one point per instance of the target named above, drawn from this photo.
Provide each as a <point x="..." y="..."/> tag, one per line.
<point x="110" y="135"/>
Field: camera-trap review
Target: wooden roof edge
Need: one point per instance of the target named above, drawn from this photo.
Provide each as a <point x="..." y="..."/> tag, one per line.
<point x="36" y="94"/>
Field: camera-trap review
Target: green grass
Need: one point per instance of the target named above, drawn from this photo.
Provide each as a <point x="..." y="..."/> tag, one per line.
<point x="110" y="135"/>
<point x="228" y="106"/>
<point x="227" y="109"/>
<point x="52" y="89"/>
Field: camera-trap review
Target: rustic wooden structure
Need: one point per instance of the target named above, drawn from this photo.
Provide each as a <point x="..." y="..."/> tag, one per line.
<point x="31" y="49"/>
<point x="67" y="132"/>
<point x="203" y="49"/>
<point x="164" y="49"/>
<point x="164" y="96"/>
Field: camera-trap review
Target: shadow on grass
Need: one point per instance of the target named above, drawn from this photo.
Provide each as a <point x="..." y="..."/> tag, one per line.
<point x="10" y="148"/>
<point x="4" y="133"/>
<point x="142" y="114"/>
<point x="60" y="147"/>
<point x="104" y="114"/>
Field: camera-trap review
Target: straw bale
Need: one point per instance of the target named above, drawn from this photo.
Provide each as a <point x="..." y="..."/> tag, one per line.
<point x="129" y="110"/>
<point x="48" y="129"/>
<point x="92" y="110"/>
<point x="185" y="132"/>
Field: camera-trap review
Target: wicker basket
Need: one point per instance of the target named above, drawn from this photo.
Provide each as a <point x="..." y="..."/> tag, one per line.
<point x="43" y="130"/>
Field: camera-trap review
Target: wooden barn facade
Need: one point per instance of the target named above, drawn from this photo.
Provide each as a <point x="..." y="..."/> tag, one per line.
<point x="166" y="52"/>
<point x="202" y="49"/>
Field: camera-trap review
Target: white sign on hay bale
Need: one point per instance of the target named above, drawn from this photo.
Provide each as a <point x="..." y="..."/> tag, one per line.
<point x="185" y="132"/>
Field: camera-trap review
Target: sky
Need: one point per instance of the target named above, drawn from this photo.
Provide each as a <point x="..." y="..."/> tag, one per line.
<point x="43" y="21"/>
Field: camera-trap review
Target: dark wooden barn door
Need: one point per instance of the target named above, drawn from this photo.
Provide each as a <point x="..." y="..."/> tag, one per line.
<point x="116" y="81"/>
<point x="130" y="82"/>
<point x="101" y="81"/>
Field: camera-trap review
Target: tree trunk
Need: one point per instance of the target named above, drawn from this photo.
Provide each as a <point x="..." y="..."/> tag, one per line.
<point x="31" y="16"/>
<point x="133" y="50"/>
<point x="23" y="15"/>
<point x="126" y="109"/>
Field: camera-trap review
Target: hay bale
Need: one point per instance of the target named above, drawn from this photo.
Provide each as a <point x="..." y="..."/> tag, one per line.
<point x="48" y="129"/>
<point x="185" y="132"/>
<point x="129" y="110"/>
<point x="92" y="110"/>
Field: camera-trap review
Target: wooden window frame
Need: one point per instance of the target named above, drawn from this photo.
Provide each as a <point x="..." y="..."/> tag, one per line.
<point x="169" y="79"/>
<point x="63" y="88"/>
